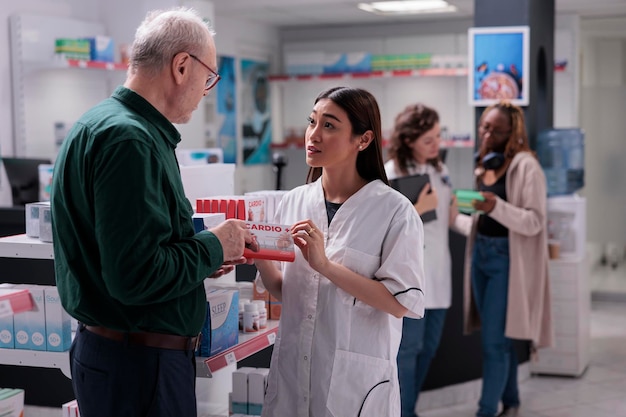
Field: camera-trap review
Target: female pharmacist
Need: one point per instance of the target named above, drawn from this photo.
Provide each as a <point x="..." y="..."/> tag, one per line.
<point x="356" y="272"/>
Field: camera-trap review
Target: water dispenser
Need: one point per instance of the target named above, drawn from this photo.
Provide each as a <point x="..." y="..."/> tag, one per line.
<point x="561" y="153"/>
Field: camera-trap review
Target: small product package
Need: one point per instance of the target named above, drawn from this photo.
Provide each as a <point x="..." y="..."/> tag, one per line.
<point x="32" y="217"/>
<point x="257" y="383"/>
<point x="275" y="242"/>
<point x="30" y="326"/>
<point x="221" y="327"/>
<point x="11" y="402"/>
<point x="58" y="322"/>
<point x="240" y="390"/>
<point x="206" y="221"/>
<point x="45" y="224"/>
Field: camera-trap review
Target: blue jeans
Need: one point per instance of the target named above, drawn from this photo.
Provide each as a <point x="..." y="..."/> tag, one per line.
<point x="490" y="282"/>
<point x="113" y="378"/>
<point x="420" y="340"/>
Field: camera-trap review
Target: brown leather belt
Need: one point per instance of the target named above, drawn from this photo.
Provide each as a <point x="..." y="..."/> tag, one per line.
<point x="150" y="339"/>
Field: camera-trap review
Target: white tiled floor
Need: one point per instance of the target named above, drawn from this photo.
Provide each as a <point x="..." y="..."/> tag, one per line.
<point x="601" y="391"/>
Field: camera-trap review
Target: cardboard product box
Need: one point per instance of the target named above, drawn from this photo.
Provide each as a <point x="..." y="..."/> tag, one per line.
<point x="257" y="384"/>
<point x="275" y="242"/>
<point x="45" y="224"/>
<point x="7" y="340"/>
<point x="335" y="63"/>
<point x="221" y="327"/>
<point x="207" y="205"/>
<point x="30" y="327"/>
<point x="32" y="217"/>
<point x="69" y="48"/>
<point x="58" y="322"/>
<point x="70" y="409"/>
<point x="11" y="402"/>
<point x="101" y="48"/>
<point x="251" y="208"/>
<point x="304" y="63"/>
<point x="14" y="299"/>
<point x="272" y="200"/>
<point x="206" y="221"/>
<point x="240" y="390"/>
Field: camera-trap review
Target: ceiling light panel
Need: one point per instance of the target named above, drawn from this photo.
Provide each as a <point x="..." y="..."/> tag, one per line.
<point x="407" y="7"/>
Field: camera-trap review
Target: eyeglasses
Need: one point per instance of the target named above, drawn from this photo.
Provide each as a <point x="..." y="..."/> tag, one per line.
<point x="214" y="77"/>
<point x="496" y="134"/>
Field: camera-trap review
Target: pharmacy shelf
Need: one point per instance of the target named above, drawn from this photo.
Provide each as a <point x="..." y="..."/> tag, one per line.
<point x="403" y="73"/>
<point x="111" y="66"/>
<point x="62" y="63"/>
<point x="38" y="359"/>
<point x="22" y="246"/>
<point x="249" y="344"/>
<point x="422" y="72"/>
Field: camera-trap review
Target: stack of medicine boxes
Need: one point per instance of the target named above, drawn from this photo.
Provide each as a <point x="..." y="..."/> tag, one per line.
<point x="46" y="327"/>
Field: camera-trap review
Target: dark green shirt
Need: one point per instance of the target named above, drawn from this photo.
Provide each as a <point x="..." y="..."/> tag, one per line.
<point x="126" y="255"/>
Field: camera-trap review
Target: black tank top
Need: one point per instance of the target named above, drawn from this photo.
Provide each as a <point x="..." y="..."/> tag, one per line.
<point x="487" y="226"/>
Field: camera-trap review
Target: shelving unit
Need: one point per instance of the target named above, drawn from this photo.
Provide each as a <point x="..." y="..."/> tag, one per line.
<point x="35" y="358"/>
<point x="249" y="344"/>
<point x="64" y="64"/>
<point x="39" y="78"/>
<point x="101" y="65"/>
<point x="420" y="72"/>
<point x="22" y="246"/>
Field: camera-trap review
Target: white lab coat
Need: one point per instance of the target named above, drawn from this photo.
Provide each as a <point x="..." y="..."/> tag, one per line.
<point x="437" y="262"/>
<point x="335" y="356"/>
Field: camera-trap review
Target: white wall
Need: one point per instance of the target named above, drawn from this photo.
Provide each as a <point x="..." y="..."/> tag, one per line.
<point x="252" y="41"/>
<point x="603" y="107"/>
<point x="446" y="94"/>
<point x="62" y="89"/>
<point x="80" y="9"/>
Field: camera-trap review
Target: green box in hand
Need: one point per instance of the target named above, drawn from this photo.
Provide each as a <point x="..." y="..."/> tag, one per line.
<point x="464" y="199"/>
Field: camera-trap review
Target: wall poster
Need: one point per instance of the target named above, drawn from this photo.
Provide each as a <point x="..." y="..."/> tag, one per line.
<point x="227" y="109"/>
<point x="498" y="65"/>
<point x="255" y="111"/>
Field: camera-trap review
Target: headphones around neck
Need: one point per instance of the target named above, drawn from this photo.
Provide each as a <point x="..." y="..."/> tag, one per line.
<point x="491" y="161"/>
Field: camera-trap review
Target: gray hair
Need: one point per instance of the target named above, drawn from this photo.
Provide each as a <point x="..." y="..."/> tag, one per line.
<point x="165" y="33"/>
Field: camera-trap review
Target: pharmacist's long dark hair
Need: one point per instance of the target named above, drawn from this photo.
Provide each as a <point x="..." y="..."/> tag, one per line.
<point x="364" y="114"/>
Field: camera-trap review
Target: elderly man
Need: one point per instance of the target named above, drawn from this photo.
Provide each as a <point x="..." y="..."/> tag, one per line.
<point x="128" y="264"/>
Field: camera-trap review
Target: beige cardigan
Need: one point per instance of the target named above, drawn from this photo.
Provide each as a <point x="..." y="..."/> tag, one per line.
<point x="525" y="215"/>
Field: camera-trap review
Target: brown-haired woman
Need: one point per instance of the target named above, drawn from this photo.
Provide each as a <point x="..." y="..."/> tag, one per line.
<point x="414" y="150"/>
